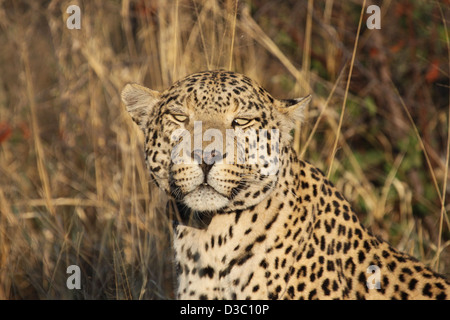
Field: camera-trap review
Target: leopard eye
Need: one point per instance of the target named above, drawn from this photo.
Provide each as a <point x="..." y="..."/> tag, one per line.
<point x="180" y="117"/>
<point x="241" y="122"/>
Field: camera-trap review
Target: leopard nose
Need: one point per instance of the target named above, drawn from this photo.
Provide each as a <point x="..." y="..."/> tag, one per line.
<point x="206" y="159"/>
<point x="206" y="168"/>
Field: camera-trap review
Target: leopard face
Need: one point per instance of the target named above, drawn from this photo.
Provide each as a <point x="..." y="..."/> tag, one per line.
<point x="214" y="140"/>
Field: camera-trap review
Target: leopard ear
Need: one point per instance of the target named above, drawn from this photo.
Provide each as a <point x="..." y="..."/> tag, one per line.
<point x="139" y="101"/>
<point x="294" y="108"/>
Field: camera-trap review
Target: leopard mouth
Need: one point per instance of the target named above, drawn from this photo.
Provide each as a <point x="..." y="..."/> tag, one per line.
<point x="206" y="187"/>
<point x="205" y="198"/>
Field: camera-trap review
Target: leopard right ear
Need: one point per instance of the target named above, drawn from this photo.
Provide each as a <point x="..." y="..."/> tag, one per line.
<point x="139" y="102"/>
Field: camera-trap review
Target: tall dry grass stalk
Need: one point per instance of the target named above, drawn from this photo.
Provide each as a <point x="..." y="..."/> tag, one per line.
<point x="74" y="189"/>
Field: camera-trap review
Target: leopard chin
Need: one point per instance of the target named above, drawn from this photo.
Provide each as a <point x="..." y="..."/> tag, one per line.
<point x="205" y="199"/>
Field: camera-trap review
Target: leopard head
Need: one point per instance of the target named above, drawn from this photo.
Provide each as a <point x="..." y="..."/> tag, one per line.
<point x="215" y="140"/>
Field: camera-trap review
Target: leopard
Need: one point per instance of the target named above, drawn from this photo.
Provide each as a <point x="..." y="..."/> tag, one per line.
<point x="276" y="228"/>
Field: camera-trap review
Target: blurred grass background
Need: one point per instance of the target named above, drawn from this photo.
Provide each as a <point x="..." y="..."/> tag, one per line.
<point x="73" y="185"/>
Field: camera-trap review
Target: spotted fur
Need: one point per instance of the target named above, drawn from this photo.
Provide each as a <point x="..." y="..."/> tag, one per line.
<point x="243" y="234"/>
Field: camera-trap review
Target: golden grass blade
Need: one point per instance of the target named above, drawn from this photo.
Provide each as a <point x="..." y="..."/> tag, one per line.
<point x="233" y="34"/>
<point x="305" y="79"/>
<point x="419" y="138"/>
<point x="40" y="154"/>
<point x="344" y="103"/>
<point x="175" y="34"/>
<point x="381" y="207"/>
<point x="322" y="112"/>
<point x="202" y="36"/>
<point x="56" y="202"/>
<point x="433" y="175"/>
<point x="445" y="178"/>
<point x="125" y="14"/>
<point x="255" y="31"/>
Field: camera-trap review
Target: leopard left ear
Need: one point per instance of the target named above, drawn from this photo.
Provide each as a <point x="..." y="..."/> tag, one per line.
<point x="294" y="108"/>
<point x="139" y="101"/>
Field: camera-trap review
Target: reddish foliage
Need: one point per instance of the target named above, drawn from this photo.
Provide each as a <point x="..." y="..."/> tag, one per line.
<point x="5" y="131"/>
<point x="433" y="71"/>
<point x="397" y="47"/>
<point x="26" y="132"/>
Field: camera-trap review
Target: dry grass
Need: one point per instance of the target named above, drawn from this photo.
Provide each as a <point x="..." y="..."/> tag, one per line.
<point x="73" y="185"/>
